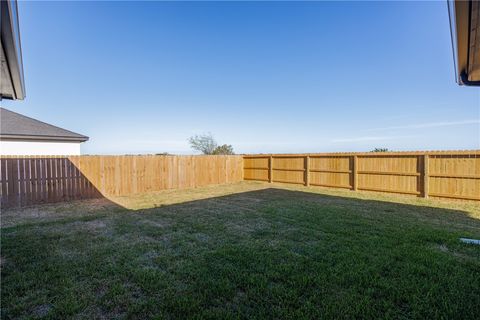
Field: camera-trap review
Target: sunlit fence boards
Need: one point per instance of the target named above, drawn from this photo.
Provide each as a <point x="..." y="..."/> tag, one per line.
<point x="454" y="176"/>
<point x="33" y="180"/>
<point x="445" y="174"/>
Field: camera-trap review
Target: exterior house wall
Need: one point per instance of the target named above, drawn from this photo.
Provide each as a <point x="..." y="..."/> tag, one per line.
<point x="31" y="148"/>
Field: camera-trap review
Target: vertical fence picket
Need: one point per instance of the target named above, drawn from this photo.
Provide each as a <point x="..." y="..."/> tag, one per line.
<point x="40" y="179"/>
<point x="13" y="181"/>
<point x="4" y="182"/>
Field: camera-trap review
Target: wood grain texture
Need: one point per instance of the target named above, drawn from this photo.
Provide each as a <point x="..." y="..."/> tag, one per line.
<point x="44" y="179"/>
<point x="446" y="174"/>
<point x="35" y="180"/>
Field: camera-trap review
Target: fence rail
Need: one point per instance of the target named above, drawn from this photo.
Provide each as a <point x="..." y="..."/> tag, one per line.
<point x="443" y="174"/>
<point x="33" y="180"/>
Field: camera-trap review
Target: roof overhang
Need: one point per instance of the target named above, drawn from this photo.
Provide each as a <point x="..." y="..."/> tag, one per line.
<point x="12" y="82"/>
<point x="465" y="31"/>
<point x="17" y="137"/>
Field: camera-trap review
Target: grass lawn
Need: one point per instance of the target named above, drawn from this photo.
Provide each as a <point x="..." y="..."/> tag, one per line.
<point x="248" y="250"/>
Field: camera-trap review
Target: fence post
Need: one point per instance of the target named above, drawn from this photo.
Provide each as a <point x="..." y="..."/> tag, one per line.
<point x="270" y="169"/>
<point x="425" y="176"/>
<point x="307" y="170"/>
<point x="355" y="173"/>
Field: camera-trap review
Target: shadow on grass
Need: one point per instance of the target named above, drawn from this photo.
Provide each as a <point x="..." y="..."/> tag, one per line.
<point x="432" y="212"/>
<point x="269" y="253"/>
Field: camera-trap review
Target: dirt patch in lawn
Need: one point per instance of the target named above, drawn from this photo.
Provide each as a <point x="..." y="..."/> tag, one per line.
<point x="55" y="211"/>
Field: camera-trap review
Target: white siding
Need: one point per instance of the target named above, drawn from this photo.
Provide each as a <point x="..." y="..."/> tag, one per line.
<point x="32" y="148"/>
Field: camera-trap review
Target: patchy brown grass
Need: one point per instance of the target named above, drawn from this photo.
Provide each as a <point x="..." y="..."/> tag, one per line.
<point x="249" y="250"/>
<point x="138" y="202"/>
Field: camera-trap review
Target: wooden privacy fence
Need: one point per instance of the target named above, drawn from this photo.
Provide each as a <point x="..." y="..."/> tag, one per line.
<point x="34" y="180"/>
<point x="445" y="174"/>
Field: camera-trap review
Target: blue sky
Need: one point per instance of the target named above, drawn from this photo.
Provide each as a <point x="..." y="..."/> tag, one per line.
<point x="142" y="77"/>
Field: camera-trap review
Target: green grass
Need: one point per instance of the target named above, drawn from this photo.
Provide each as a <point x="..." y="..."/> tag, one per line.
<point x="248" y="251"/>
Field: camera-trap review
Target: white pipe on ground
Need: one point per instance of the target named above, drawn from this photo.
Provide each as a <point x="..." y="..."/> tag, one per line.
<point x="470" y="241"/>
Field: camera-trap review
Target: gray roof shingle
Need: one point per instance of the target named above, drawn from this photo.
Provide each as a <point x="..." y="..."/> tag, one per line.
<point x="16" y="126"/>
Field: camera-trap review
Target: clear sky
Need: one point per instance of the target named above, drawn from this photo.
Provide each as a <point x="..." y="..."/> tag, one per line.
<point x="142" y="77"/>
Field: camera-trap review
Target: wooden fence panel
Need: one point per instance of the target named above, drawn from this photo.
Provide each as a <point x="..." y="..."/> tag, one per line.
<point x="34" y="180"/>
<point x="331" y="172"/>
<point x="398" y="174"/>
<point x="288" y="170"/>
<point x="256" y="168"/>
<point x="455" y="176"/>
<point x="446" y="174"/>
